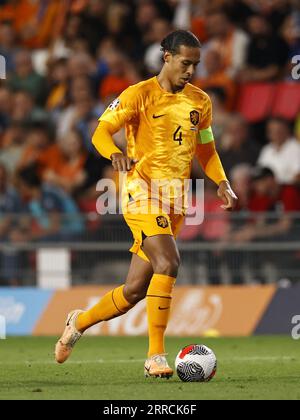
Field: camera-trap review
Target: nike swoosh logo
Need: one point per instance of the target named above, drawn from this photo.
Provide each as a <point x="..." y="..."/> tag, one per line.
<point x="158" y="116"/>
<point x="162" y="309"/>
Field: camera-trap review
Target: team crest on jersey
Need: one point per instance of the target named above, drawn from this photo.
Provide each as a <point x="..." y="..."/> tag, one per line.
<point x="114" y="105"/>
<point x="195" y="117"/>
<point x="162" y="222"/>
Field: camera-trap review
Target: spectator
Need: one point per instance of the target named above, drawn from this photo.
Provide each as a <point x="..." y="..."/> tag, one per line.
<point x="64" y="168"/>
<point x="146" y="13"/>
<point x="153" y="55"/>
<point x="38" y="142"/>
<point x="58" y="79"/>
<point x="9" y="208"/>
<point x="96" y="167"/>
<point x="240" y="10"/>
<point x="228" y="40"/>
<point x="13" y="146"/>
<point x="63" y="45"/>
<point x="121" y="74"/>
<point x="82" y="107"/>
<point x="216" y="77"/>
<point x="241" y="177"/>
<point x="37" y="22"/>
<point x="198" y="27"/>
<point x="25" y="110"/>
<point x="54" y="215"/>
<point x="25" y="78"/>
<point x="275" y="12"/>
<point x="268" y="195"/>
<point x="7" y="44"/>
<point x="107" y="47"/>
<point x="182" y="15"/>
<point x="9" y="201"/>
<point x="93" y="24"/>
<point x="215" y="224"/>
<point x="167" y="9"/>
<point x="221" y="115"/>
<point x="236" y="145"/>
<point x="282" y="154"/>
<point x="214" y="227"/>
<point x="6" y="107"/>
<point x="266" y="55"/>
<point x="121" y="23"/>
<point x="81" y="65"/>
<point x="76" y="46"/>
<point x="84" y="127"/>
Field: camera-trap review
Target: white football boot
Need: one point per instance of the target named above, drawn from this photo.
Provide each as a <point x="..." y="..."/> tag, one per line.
<point x="69" y="338"/>
<point x="157" y="367"/>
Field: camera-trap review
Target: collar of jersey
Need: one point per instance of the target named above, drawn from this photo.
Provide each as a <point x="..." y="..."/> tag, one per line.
<point x="165" y="91"/>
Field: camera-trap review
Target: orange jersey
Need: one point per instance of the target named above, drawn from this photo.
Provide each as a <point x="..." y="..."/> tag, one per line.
<point x="162" y="128"/>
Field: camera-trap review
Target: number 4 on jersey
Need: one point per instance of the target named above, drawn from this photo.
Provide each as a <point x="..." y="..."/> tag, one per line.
<point x="178" y="136"/>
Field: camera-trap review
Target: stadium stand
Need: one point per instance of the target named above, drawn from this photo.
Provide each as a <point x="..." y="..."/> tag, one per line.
<point x="66" y="61"/>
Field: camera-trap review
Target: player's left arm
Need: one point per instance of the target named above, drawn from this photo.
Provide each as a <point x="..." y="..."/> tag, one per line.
<point x="210" y="162"/>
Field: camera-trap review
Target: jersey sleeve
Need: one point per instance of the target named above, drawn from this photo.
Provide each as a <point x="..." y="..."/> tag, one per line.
<point x="123" y="109"/>
<point x="206" y="117"/>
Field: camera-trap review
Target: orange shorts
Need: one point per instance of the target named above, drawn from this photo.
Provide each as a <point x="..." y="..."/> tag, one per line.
<point x="158" y="222"/>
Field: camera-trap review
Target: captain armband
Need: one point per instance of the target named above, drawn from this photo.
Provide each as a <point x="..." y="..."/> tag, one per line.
<point x="206" y="136"/>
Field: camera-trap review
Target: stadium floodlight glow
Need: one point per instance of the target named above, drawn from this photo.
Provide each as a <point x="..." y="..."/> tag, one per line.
<point x="2" y="67"/>
<point x="296" y="68"/>
<point x="2" y="327"/>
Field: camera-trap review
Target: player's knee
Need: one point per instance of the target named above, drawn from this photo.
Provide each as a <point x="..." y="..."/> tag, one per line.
<point x="134" y="294"/>
<point x="167" y="265"/>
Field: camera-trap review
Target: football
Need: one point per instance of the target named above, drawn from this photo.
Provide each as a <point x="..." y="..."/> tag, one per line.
<point x="196" y="363"/>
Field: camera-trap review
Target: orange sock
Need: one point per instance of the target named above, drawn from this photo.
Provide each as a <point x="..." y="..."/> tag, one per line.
<point x="112" y="305"/>
<point x="158" y="310"/>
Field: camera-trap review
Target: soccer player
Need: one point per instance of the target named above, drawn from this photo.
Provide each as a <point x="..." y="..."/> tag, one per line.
<point x="167" y="121"/>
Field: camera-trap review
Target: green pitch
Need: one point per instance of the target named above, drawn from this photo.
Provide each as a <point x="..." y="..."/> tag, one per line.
<point x="112" y="368"/>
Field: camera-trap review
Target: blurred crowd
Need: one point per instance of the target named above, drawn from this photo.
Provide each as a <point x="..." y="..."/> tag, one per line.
<point x="67" y="60"/>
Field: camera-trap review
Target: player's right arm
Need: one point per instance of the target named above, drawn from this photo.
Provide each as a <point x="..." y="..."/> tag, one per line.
<point x="104" y="143"/>
<point x="122" y="110"/>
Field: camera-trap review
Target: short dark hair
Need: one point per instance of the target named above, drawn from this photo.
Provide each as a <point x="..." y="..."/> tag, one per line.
<point x="174" y="40"/>
<point x="260" y="172"/>
<point x="280" y="120"/>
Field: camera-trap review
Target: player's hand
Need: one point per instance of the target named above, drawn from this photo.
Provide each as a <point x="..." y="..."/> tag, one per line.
<point x="122" y="163"/>
<point x="227" y="195"/>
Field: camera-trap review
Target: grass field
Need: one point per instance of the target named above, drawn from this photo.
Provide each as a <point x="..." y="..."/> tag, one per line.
<point x="112" y="368"/>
